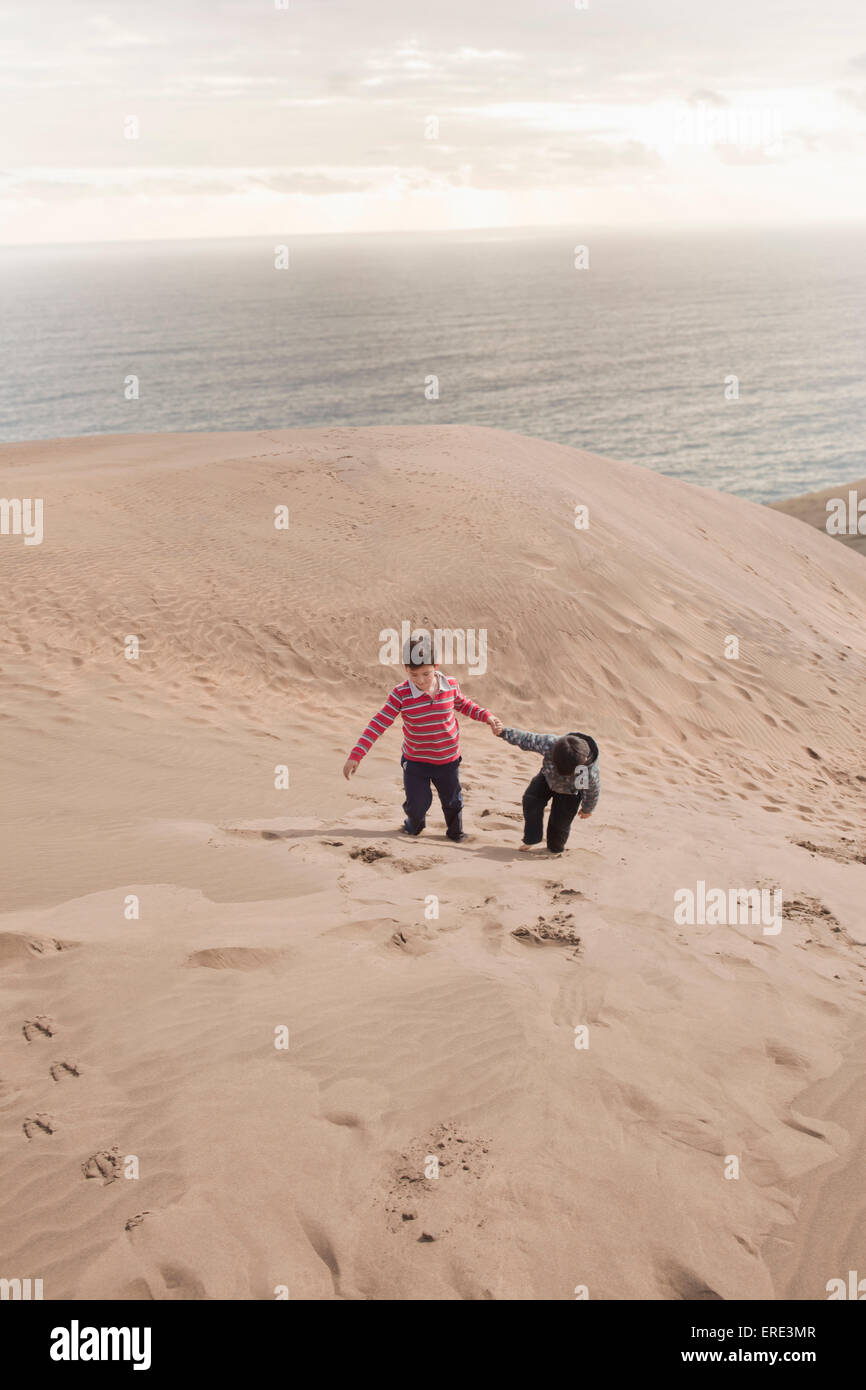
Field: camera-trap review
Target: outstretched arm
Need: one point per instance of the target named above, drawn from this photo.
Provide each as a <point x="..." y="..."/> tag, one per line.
<point x="531" y="743"/>
<point x="377" y="725"/>
<point x="464" y="705"/>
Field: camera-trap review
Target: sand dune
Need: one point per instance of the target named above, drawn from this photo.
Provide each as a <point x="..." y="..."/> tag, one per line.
<point x="811" y="507"/>
<point x="155" y="1141"/>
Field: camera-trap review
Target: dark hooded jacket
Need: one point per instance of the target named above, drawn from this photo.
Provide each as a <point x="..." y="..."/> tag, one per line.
<point x="584" y="780"/>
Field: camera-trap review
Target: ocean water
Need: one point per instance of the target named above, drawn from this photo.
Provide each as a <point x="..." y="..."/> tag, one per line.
<point x="628" y="357"/>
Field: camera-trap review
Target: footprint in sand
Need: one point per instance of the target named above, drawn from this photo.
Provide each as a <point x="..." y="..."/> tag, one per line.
<point x="39" y="1027"/>
<point x="785" y="1056"/>
<point x="60" y="1070"/>
<point x="134" y="1221"/>
<point x="35" y="1125"/>
<point x="414" y="1201"/>
<point x="344" y="1119"/>
<point x="818" y="920"/>
<point x="564" y="895"/>
<point x="416" y="866"/>
<point x="556" y="930"/>
<point x="105" y="1164"/>
<point x="412" y="941"/>
<point x="14" y="947"/>
<point x="372" y="854"/>
<point x="368" y="854"/>
<point x="846" y="852"/>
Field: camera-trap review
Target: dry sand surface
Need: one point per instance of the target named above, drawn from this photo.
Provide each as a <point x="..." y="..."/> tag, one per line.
<point x="149" y="1042"/>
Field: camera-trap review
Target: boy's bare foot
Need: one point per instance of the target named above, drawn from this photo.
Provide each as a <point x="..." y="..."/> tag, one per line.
<point x="527" y="847"/>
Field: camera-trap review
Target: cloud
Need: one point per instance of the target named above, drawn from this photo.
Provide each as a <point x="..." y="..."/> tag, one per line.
<point x="704" y="97"/>
<point x="52" y="185"/>
<point x="107" y="33"/>
<point x="240" y="100"/>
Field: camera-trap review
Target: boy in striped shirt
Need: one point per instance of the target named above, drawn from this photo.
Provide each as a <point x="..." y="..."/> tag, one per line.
<point x="427" y="700"/>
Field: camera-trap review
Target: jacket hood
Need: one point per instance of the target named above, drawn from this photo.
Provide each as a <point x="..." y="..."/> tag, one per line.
<point x="593" y="746"/>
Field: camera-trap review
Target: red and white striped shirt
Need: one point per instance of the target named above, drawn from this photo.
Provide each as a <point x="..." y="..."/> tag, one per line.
<point x="430" y="730"/>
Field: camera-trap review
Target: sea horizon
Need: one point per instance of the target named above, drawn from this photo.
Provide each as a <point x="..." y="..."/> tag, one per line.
<point x="729" y="359"/>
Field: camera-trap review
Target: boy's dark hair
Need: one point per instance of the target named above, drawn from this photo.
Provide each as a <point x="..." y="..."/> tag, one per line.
<point x="570" y="752"/>
<point x="419" y="651"/>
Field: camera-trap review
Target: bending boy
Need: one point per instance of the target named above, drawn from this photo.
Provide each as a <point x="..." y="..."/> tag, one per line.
<point x="569" y="774"/>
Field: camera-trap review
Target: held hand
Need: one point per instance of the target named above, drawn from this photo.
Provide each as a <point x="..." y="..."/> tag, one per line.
<point x="350" y="767"/>
<point x="584" y="815"/>
<point x="495" y="725"/>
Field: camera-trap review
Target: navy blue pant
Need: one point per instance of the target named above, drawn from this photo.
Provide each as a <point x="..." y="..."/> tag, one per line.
<point x="562" y="813"/>
<point x="419" y="779"/>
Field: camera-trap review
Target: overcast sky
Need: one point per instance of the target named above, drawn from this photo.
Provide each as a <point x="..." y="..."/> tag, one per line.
<point x="318" y="117"/>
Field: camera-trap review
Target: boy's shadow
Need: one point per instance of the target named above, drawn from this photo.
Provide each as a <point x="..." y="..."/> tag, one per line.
<point x="494" y="852"/>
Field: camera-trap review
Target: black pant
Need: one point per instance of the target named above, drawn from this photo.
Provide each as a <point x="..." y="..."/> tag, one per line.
<point x="562" y="813"/>
<point x="445" y="777"/>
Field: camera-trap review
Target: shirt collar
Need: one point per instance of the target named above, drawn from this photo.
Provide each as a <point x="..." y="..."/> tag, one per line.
<point x="443" y="685"/>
